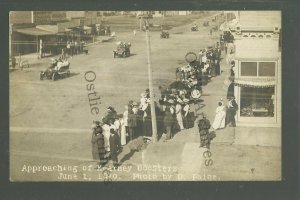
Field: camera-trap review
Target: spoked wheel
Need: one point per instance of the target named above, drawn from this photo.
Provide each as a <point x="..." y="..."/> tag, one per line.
<point x="55" y="76"/>
<point x="41" y="76"/>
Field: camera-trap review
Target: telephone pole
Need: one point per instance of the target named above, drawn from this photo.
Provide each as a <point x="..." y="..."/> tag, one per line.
<point x="152" y="103"/>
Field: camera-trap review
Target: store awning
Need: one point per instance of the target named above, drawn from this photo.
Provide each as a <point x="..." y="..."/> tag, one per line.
<point x="68" y="30"/>
<point x="255" y="82"/>
<point x="86" y="28"/>
<point x="34" y="31"/>
<point x="50" y="28"/>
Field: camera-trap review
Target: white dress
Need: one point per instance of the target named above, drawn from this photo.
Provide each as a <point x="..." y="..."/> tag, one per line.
<point x="106" y="133"/>
<point x="123" y="132"/>
<point x="179" y="116"/>
<point x="219" y="121"/>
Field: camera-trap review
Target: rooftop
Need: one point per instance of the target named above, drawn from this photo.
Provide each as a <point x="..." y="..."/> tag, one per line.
<point x="260" y="18"/>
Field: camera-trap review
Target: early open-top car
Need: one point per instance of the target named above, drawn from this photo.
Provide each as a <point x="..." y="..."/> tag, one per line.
<point x="206" y="23"/>
<point x="189" y="89"/>
<point x="58" y="69"/>
<point x="194" y="28"/>
<point x="123" y="50"/>
<point x="164" y="34"/>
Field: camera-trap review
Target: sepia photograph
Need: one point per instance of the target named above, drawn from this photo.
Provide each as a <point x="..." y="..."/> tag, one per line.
<point x="112" y="96"/>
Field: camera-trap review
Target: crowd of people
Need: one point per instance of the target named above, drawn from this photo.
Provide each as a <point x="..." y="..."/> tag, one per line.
<point x="116" y="130"/>
<point x="172" y="113"/>
<point x="200" y="71"/>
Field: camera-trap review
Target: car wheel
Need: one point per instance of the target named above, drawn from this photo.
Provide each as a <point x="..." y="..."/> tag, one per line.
<point x="54" y="76"/>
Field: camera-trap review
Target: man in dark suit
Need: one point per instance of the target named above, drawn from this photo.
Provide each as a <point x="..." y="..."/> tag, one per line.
<point x="231" y="112"/>
<point x="114" y="144"/>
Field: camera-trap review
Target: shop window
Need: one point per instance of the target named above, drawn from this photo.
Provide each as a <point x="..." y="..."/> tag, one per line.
<point x="248" y="68"/>
<point x="266" y="69"/>
<point x="258" y="69"/>
<point x="257" y="102"/>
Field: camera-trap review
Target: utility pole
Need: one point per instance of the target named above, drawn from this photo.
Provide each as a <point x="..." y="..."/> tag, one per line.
<point x="153" y="114"/>
<point x="140" y="23"/>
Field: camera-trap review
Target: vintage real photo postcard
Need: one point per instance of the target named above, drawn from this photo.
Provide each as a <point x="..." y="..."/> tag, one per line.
<point x="109" y="96"/>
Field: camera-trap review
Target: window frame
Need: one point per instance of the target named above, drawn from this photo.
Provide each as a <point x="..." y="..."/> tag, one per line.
<point x="257" y="69"/>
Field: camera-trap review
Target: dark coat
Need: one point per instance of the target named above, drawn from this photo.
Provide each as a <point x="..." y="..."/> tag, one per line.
<point x="234" y="107"/>
<point x="110" y="116"/>
<point x="148" y="123"/>
<point x="169" y="119"/>
<point x="132" y="120"/>
<point x="203" y="124"/>
<point x="114" y="143"/>
<point x="230" y="90"/>
<point x="98" y="149"/>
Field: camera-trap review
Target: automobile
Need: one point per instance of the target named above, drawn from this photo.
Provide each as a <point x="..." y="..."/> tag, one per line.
<point x="123" y="50"/>
<point x="188" y="88"/>
<point x="206" y="23"/>
<point x="164" y="34"/>
<point x="215" y="28"/>
<point x="194" y="28"/>
<point x="58" y="69"/>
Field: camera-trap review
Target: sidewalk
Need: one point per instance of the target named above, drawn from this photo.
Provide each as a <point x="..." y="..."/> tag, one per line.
<point x="240" y="153"/>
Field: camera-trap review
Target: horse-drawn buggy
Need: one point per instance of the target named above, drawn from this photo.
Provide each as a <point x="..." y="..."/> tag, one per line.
<point x="123" y="50"/>
<point x="58" y="68"/>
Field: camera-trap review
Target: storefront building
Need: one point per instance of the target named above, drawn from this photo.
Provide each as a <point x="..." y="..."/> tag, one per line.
<point x="257" y="83"/>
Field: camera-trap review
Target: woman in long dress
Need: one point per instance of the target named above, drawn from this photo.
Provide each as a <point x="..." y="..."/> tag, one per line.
<point x="106" y="133"/>
<point x="178" y="109"/>
<point x="219" y="121"/>
<point x="124" y="126"/>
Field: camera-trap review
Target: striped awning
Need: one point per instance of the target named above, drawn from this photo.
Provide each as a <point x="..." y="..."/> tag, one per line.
<point x="255" y="82"/>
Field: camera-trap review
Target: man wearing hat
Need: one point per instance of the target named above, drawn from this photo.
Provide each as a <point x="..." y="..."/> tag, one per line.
<point x="111" y="114"/>
<point x="231" y="112"/>
<point x="114" y="143"/>
<point x="204" y="126"/>
<point x="132" y="120"/>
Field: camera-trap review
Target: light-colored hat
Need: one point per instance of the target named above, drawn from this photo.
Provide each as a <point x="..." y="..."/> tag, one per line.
<point x="185" y="100"/>
<point x="179" y="100"/>
<point x="135" y="104"/>
<point x="171" y="101"/>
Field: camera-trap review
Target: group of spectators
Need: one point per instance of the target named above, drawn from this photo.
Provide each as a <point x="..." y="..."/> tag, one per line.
<point x="116" y="130"/>
<point x="172" y="112"/>
<point x="73" y="47"/>
<point x="198" y="72"/>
